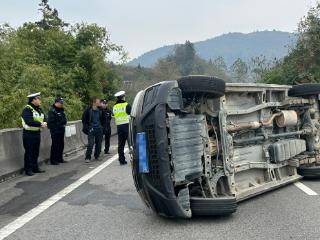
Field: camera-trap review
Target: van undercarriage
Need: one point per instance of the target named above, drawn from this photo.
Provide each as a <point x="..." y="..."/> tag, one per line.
<point x="210" y="145"/>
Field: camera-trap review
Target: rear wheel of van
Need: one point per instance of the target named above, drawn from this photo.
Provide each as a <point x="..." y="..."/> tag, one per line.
<point x="304" y="90"/>
<point x="309" y="171"/>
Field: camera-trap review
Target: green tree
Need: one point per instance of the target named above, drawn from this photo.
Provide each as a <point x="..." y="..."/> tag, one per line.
<point x="166" y="69"/>
<point x="91" y="72"/>
<point x="259" y="66"/>
<point x="46" y="57"/>
<point x="302" y="65"/>
<point x="220" y="64"/>
<point x="239" y="70"/>
<point x="184" y="56"/>
<point x="50" y="17"/>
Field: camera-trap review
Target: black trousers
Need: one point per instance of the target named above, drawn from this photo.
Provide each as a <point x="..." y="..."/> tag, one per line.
<point x="31" y="143"/>
<point x="57" y="147"/>
<point x="95" y="137"/>
<point x="107" y="136"/>
<point x="123" y="131"/>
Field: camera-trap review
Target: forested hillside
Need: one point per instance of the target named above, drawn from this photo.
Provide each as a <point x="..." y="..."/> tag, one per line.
<point x="54" y="58"/>
<point x="302" y="65"/>
<point x="231" y="46"/>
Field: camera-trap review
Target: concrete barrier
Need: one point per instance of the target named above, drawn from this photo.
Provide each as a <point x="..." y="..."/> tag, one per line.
<point x="12" y="151"/>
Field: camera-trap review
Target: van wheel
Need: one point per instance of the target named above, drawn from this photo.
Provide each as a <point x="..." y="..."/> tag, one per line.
<point x="201" y="85"/>
<point x="213" y="206"/>
<point x="309" y="172"/>
<point x="304" y="90"/>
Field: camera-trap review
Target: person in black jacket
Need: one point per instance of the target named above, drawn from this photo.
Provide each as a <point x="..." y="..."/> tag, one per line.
<point x="33" y="120"/>
<point x="107" y="114"/>
<point x="93" y="125"/>
<point x="57" y="123"/>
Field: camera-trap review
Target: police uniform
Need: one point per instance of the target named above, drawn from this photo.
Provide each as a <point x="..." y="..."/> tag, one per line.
<point x="107" y="114"/>
<point x="121" y="113"/>
<point x="57" y="123"/>
<point x="32" y="118"/>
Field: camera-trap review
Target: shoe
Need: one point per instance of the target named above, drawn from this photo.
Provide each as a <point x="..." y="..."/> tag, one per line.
<point x="39" y="170"/>
<point x="123" y="162"/>
<point x="54" y="163"/>
<point x="29" y="173"/>
<point x="106" y="152"/>
<point x="63" y="161"/>
<point x="87" y="161"/>
<point x="98" y="159"/>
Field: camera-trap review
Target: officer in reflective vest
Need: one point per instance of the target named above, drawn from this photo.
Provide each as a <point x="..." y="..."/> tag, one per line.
<point x="121" y="113"/>
<point x="33" y="120"/>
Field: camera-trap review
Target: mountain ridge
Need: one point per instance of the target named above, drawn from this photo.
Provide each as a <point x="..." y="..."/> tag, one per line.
<point x="230" y="46"/>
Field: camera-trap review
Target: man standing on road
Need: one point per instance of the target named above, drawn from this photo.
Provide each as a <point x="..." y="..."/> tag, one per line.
<point x="57" y="123"/>
<point x="93" y="125"/>
<point x="107" y="114"/>
<point x="33" y="120"/>
<point x="121" y="112"/>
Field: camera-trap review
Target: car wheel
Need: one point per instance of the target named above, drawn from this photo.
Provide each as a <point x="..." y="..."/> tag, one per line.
<point x="309" y="172"/>
<point x="213" y="206"/>
<point x="304" y="90"/>
<point x="201" y="85"/>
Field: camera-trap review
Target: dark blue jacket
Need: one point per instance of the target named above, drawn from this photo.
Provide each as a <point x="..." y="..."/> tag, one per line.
<point x="56" y="120"/>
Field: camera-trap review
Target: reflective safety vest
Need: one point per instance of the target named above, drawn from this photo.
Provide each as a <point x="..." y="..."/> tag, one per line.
<point x="120" y="114"/>
<point x="36" y="117"/>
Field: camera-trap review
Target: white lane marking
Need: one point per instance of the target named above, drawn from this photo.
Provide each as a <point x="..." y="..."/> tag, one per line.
<point x="27" y="217"/>
<point x="305" y="189"/>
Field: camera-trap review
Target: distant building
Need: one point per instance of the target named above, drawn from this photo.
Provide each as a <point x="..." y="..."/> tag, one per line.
<point x="127" y="84"/>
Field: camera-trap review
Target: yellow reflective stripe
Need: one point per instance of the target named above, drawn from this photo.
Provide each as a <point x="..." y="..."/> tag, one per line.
<point x="122" y="120"/>
<point x="119" y="107"/>
<point x="36" y="117"/>
<point x="27" y="127"/>
<point x="120" y="114"/>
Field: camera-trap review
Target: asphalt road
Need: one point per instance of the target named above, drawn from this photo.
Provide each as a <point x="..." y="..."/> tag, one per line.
<point x="108" y="207"/>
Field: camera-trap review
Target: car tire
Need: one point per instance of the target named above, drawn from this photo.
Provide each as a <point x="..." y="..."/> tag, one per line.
<point x="202" y="85"/>
<point x="304" y="90"/>
<point x="213" y="206"/>
<point x="309" y="172"/>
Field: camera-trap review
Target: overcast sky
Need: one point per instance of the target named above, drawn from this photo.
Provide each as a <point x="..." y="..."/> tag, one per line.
<point x="143" y="25"/>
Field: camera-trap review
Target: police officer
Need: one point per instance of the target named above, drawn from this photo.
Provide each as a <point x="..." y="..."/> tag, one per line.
<point x="107" y="114"/>
<point x="57" y="123"/>
<point x="121" y="112"/>
<point x="33" y="119"/>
